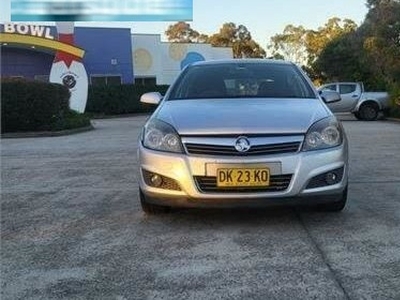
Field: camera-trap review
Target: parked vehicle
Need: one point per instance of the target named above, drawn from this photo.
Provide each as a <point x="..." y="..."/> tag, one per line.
<point x="364" y="105"/>
<point x="242" y="133"/>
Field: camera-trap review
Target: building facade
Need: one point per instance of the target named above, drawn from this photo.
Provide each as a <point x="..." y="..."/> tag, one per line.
<point x="160" y="62"/>
<point x="27" y="51"/>
<point x="110" y="55"/>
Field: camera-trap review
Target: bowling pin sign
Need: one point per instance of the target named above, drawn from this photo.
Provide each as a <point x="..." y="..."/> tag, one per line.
<point x="68" y="69"/>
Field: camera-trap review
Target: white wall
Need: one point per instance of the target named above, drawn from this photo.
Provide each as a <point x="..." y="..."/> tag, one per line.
<point x="165" y="60"/>
<point x="146" y="56"/>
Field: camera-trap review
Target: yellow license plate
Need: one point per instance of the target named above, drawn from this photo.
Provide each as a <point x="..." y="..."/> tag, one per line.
<point x="243" y="177"/>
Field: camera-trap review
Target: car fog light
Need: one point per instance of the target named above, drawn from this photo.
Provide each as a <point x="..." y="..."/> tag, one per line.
<point x="326" y="179"/>
<point x="331" y="178"/>
<point x="156" y="180"/>
<point x="160" y="181"/>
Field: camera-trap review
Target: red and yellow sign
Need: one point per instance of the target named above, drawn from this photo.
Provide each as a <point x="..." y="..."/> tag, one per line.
<point x="34" y="35"/>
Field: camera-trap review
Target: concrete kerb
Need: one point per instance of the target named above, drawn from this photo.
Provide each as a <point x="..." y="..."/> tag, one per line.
<point x="393" y="120"/>
<point x="105" y="117"/>
<point x="12" y="135"/>
<point x="31" y="134"/>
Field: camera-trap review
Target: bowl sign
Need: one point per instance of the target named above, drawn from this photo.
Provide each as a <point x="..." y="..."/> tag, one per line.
<point x="28" y="29"/>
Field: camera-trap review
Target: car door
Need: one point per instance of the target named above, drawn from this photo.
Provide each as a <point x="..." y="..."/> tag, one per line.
<point x="350" y="93"/>
<point x="334" y="107"/>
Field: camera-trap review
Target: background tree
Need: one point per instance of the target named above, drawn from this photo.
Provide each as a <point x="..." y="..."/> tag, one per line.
<point x="341" y="60"/>
<point x="229" y="35"/>
<point x="381" y="30"/>
<point x="239" y="38"/>
<point x="181" y="32"/>
<point x="371" y="53"/>
<point x="290" y="45"/>
<point x="316" y="41"/>
<point x="303" y="46"/>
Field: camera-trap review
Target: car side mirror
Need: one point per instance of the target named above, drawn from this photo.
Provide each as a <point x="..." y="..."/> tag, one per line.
<point x="330" y="96"/>
<point x="151" y="98"/>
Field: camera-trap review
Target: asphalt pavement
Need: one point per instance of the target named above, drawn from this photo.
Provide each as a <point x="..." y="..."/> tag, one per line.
<point x="72" y="228"/>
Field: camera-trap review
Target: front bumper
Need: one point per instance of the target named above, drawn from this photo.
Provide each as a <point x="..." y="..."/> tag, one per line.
<point x="302" y="166"/>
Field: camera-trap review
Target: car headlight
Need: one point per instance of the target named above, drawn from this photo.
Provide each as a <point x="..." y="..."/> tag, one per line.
<point x="326" y="133"/>
<point x="161" y="136"/>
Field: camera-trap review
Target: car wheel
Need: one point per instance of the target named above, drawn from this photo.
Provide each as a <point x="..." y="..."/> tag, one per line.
<point x="357" y="115"/>
<point x="369" y="112"/>
<point x="336" y="206"/>
<point x="151" y="209"/>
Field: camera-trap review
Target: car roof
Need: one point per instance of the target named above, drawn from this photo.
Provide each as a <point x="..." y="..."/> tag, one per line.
<point x="242" y="61"/>
<point x="339" y="82"/>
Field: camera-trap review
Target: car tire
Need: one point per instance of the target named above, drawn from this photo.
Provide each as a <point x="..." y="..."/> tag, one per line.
<point x="357" y="115"/>
<point x="151" y="209"/>
<point x="338" y="205"/>
<point x="368" y="112"/>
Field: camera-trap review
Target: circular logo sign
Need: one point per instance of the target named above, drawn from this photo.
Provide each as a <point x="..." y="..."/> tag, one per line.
<point x="242" y="144"/>
<point x="69" y="81"/>
<point x="143" y="60"/>
<point x="177" y="51"/>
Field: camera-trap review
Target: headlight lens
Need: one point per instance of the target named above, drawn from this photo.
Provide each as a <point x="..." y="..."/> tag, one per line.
<point x="161" y="136"/>
<point x="326" y="133"/>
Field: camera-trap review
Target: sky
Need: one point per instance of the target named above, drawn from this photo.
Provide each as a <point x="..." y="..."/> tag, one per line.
<point x="263" y="18"/>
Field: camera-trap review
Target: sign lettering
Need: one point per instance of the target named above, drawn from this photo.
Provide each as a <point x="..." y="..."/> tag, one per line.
<point x="26" y="29"/>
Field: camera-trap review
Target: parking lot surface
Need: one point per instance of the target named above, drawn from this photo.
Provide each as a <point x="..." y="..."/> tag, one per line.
<point x="72" y="228"/>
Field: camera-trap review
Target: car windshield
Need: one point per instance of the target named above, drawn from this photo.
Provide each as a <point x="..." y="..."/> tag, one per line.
<point x="241" y="80"/>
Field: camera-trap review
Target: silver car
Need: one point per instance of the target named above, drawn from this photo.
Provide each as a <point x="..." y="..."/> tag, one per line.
<point x="236" y="133"/>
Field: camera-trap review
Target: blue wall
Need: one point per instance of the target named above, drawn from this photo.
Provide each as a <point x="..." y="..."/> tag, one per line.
<point x="101" y="45"/>
<point x="25" y="62"/>
<point x="104" y="44"/>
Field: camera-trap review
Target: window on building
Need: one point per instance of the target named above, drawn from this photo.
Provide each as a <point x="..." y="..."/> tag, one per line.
<point x="105" y="80"/>
<point x="147" y="81"/>
<point x="114" y="80"/>
<point x="15" y="77"/>
<point x="98" y="80"/>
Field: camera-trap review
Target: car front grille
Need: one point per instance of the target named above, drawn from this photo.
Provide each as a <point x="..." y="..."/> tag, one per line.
<point x="254" y="150"/>
<point x="208" y="184"/>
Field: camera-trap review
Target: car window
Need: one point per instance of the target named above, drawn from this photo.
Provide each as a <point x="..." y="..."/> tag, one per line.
<point x="241" y="81"/>
<point x="347" y="88"/>
<point x="331" y="87"/>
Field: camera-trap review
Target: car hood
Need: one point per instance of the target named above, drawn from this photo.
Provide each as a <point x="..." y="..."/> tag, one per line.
<point x="242" y="116"/>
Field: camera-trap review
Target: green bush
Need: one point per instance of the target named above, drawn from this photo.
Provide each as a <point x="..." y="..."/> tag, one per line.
<point x="395" y="110"/>
<point x="71" y="120"/>
<point x="120" y="99"/>
<point x="35" y="106"/>
<point x="394" y="102"/>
